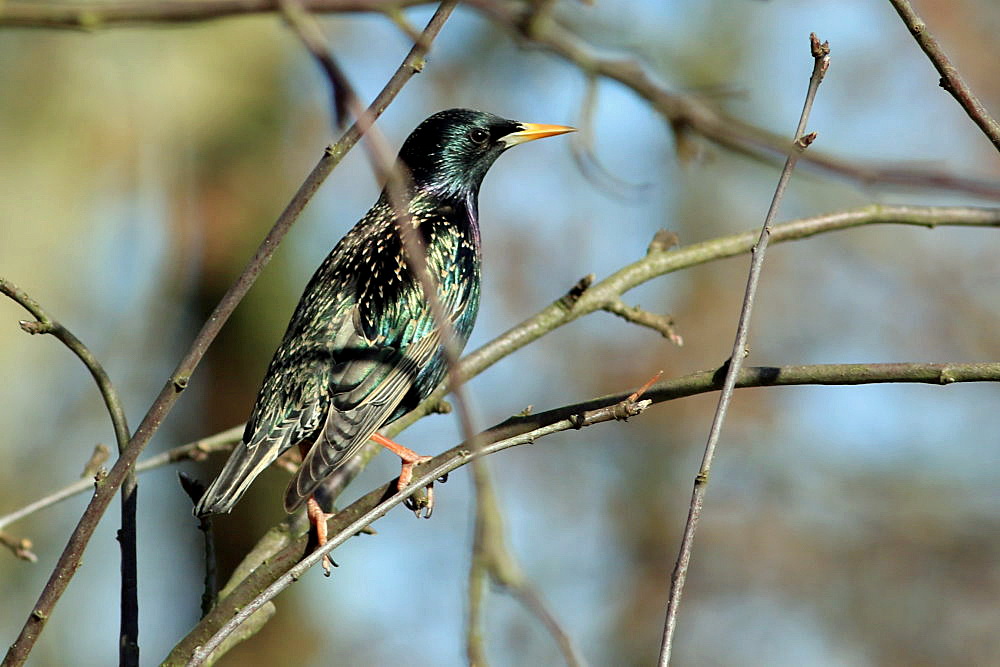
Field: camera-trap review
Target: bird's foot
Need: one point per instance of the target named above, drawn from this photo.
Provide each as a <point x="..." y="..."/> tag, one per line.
<point x="318" y="519"/>
<point x="420" y="504"/>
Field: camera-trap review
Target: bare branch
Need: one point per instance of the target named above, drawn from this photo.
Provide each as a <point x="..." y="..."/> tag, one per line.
<point x="951" y="79"/>
<point x="195" y="490"/>
<point x="821" y="63"/>
<point x="46" y="324"/>
<point x="20" y="547"/>
<point x="97" y="459"/>
<point x="70" y="559"/>
<point x="193" y="451"/>
<point x="662" y="324"/>
<point x="469" y="451"/>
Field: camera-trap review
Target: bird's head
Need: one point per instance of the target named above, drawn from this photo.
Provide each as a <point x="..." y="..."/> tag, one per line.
<point x="451" y="151"/>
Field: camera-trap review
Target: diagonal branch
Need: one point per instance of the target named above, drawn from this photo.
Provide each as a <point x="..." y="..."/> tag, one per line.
<point x="951" y="79"/>
<point x="821" y="63"/>
<point x="71" y="556"/>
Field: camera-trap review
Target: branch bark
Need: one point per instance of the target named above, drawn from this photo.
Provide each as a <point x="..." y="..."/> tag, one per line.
<point x="951" y="79"/>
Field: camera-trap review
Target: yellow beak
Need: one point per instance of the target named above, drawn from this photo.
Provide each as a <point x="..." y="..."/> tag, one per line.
<point x="532" y="131"/>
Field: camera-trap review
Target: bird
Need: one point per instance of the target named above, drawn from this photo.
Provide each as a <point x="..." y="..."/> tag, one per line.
<point x="362" y="347"/>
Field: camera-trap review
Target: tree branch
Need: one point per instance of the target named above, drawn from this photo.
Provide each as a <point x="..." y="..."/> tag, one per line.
<point x="70" y="559"/>
<point x="281" y="559"/>
<point x="662" y="324"/>
<point x="951" y="79"/>
<point x="19" y="546"/>
<point x="44" y="323"/>
<point x="821" y="63"/>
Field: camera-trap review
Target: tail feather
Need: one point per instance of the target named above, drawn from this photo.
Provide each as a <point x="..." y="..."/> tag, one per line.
<point x="243" y="466"/>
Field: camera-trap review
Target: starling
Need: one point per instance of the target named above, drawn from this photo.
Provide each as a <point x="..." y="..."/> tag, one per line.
<point x="362" y="348"/>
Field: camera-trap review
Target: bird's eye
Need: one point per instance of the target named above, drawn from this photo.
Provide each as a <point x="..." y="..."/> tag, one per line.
<point x="479" y="135"/>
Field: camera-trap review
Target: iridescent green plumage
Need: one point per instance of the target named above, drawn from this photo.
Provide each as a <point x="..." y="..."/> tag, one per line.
<point x="362" y="348"/>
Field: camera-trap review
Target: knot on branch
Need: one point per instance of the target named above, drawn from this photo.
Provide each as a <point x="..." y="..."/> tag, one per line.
<point x="576" y="291"/>
<point x="34" y="327"/>
<point x="629" y="408"/>
<point x="663" y="240"/>
<point x="805" y="140"/>
<point x="442" y="407"/>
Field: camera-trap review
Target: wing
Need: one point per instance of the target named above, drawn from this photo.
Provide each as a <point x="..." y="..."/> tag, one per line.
<point x="370" y="394"/>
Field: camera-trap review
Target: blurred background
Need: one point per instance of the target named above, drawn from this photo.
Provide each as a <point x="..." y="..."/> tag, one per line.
<point x="843" y="526"/>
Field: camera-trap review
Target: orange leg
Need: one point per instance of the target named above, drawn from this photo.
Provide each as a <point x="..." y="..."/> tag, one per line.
<point x="410" y="458"/>
<point x="318" y="519"/>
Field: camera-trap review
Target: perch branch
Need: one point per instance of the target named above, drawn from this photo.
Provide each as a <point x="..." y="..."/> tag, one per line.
<point x="282" y="554"/>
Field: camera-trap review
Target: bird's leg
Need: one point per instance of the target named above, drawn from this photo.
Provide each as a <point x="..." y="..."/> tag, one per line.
<point x="410" y="458"/>
<point x="317" y="519"/>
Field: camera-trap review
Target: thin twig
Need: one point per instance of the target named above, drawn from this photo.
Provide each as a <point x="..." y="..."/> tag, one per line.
<point x="71" y="556"/>
<point x="192" y="451"/>
<point x="585" y="154"/>
<point x="19" y="546"/>
<point x="821" y="62"/>
<point x="97" y="459"/>
<point x="951" y="79"/>
<point x="662" y="324"/>
<point x="195" y="490"/>
<point x="286" y="560"/>
<point x="46" y="324"/>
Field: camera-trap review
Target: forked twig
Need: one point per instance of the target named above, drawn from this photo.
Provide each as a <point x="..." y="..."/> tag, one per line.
<point x="46" y="324"/>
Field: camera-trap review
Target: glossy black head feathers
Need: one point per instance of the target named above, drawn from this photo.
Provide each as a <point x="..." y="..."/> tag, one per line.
<point x="451" y="151"/>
